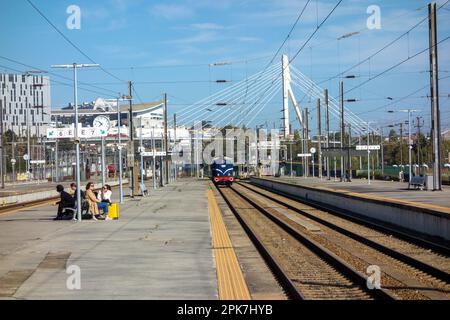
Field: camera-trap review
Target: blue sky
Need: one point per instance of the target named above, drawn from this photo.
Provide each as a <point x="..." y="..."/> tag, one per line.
<point x="170" y="41"/>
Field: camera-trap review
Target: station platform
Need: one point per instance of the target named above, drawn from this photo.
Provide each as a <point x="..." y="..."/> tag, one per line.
<point x="425" y="213"/>
<point x="35" y="191"/>
<point x="384" y="190"/>
<point x="160" y="248"/>
<point x="22" y="188"/>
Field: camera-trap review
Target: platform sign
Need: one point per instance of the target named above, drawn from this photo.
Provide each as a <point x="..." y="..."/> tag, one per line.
<point x="86" y="132"/>
<point x="343" y="153"/>
<point x="60" y="133"/>
<point x="300" y="155"/>
<point x="157" y="154"/>
<point x="37" y="161"/>
<point x="92" y="132"/>
<point x="365" y="147"/>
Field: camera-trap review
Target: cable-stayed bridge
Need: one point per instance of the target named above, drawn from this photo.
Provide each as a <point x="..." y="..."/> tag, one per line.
<point x="240" y="104"/>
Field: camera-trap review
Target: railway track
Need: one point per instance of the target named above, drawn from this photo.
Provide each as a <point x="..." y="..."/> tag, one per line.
<point x="409" y="270"/>
<point x="303" y="266"/>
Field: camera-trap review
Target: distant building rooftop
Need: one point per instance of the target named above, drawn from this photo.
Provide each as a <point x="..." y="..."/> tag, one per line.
<point x="93" y="108"/>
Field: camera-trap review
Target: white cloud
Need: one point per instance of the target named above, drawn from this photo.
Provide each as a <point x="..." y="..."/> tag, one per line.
<point x="249" y="39"/>
<point x="201" y="37"/>
<point x="207" y="26"/>
<point x="172" y="11"/>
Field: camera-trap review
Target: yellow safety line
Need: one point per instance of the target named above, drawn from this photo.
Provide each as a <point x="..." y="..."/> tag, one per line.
<point x="230" y="280"/>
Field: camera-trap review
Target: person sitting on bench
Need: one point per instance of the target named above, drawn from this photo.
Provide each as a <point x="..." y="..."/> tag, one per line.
<point x="104" y="196"/>
<point x="66" y="201"/>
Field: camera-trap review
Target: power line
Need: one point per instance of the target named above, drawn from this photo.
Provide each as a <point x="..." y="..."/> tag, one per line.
<point x="315" y="31"/>
<point x="382" y="49"/>
<point x="70" y="42"/>
<point x="394" y="66"/>
<point x="401" y="99"/>
<point x="188" y="65"/>
<point x="301" y="48"/>
<point x="290" y="32"/>
<point x="55" y="74"/>
<point x="61" y="82"/>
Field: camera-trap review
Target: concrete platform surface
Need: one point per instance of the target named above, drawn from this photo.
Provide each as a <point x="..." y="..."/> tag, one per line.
<point x="380" y="189"/>
<point x="160" y="248"/>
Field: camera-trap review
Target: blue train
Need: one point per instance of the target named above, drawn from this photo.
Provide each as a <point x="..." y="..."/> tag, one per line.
<point x="222" y="171"/>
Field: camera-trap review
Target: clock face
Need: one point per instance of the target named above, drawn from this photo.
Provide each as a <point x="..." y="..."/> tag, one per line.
<point x="102" y="122"/>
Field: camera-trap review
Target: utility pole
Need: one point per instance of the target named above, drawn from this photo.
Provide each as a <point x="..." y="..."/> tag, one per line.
<point x="307" y="141"/>
<point x="360" y="158"/>
<point x="382" y="151"/>
<point x="141" y="150"/>
<point x="409" y="148"/>
<point x="341" y="100"/>
<point x="28" y="129"/>
<point x="103" y="161"/>
<point x="131" y="142"/>
<point x="119" y="148"/>
<point x="368" y="152"/>
<point x="154" y="159"/>
<point x="349" y="156"/>
<point x="434" y="89"/>
<point x="319" y="141"/>
<point x="132" y="165"/>
<point x="161" y="166"/>
<point x="166" y="141"/>
<point x="175" y="142"/>
<point x="56" y="161"/>
<point x="75" y="66"/>
<point x="2" y="159"/>
<point x="327" y="129"/>
<point x="418" y="145"/>
<point x="401" y="146"/>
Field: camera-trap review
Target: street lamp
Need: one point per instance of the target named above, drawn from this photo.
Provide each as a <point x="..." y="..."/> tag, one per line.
<point x="76" y="66"/>
<point x="368" y="150"/>
<point x="409" y="111"/>
<point x="119" y="147"/>
<point x="29" y="124"/>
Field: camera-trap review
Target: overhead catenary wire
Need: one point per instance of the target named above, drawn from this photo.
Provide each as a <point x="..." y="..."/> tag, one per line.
<point x="55" y="74"/>
<point x="302" y="47"/>
<point x="61" y="82"/>
<point x="395" y="101"/>
<point x="70" y="41"/>
<point x="206" y="101"/>
<point x="305" y="82"/>
<point x="395" y="66"/>
<point x="389" y="44"/>
<point x="259" y="88"/>
<point x="215" y="97"/>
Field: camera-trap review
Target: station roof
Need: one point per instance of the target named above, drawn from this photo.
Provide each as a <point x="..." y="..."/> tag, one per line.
<point x="141" y="108"/>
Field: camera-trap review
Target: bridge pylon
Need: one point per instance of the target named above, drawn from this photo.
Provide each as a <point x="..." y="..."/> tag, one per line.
<point x="288" y="94"/>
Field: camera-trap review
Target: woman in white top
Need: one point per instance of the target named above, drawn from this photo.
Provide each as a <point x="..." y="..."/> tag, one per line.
<point x="105" y="194"/>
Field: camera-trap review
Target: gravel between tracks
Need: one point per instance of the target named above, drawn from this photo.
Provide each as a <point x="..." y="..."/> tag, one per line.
<point x="315" y="278"/>
<point x="403" y="281"/>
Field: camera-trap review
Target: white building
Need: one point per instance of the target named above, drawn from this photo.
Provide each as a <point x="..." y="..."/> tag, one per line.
<point x="25" y="102"/>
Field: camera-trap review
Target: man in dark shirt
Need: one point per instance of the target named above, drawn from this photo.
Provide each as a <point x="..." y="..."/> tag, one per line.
<point x="66" y="201"/>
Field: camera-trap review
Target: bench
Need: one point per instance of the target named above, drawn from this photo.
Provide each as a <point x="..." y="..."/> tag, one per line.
<point x="418" y="182"/>
<point x="84" y="208"/>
